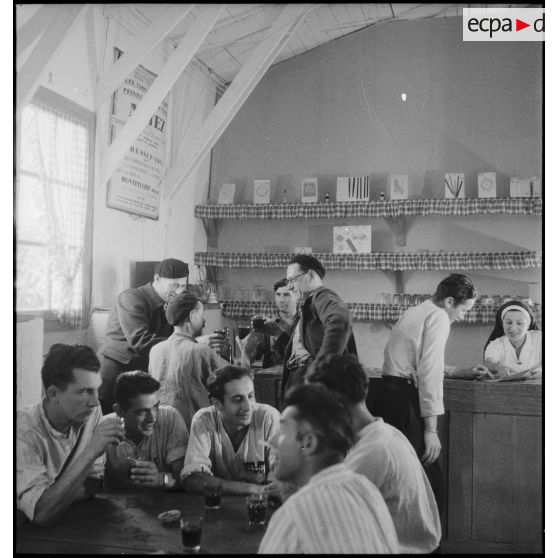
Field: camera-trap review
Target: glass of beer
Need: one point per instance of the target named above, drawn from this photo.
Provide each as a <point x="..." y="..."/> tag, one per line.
<point x="191" y="527"/>
<point x="256" y="505"/>
<point x="212" y="496"/>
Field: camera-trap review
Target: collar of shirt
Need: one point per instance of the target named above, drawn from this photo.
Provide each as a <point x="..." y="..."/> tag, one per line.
<point x="155" y="301"/>
<point x="74" y="428"/>
<point x="527" y="346"/>
<point x="332" y="470"/>
<point x="185" y="335"/>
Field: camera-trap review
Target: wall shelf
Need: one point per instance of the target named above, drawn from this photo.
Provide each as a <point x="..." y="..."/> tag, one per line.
<point x="383" y="261"/>
<point x="390" y="209"/>
<point x="364" y="311"/>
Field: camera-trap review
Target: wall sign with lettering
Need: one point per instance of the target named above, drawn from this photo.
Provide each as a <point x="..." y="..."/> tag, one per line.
<point x="135" y="186"/>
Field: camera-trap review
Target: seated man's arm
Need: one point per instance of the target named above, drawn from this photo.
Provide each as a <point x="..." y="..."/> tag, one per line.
<point x="69" y="486"/>
<point x="197" y="468"/>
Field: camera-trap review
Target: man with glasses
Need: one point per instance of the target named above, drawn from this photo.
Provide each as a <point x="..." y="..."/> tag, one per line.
<point x="324" y="324"/>
<point x="136" y="323"/>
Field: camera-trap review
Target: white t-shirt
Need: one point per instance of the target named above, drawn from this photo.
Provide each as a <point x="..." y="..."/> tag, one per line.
<point x="503" y="352"/>
<point x="385" y="457"/>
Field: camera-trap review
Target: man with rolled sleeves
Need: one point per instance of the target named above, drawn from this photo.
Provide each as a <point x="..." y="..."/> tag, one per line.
<point x="136" y="323"/>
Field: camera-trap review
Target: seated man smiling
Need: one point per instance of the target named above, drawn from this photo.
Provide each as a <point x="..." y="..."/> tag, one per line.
<point x="156" y="436"/>
<point x="228" y="440"/>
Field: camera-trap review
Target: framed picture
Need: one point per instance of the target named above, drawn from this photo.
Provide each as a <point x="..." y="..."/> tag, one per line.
<point x="261" y="191"/>
<point x="487" y="184"/>
<point x="454" y="183"/>
<point x="342" y="189"/>
<point x="355" y="239"/>
<point x="353" y="188"/>
<point x="226" y="194"/>
<point x="399" y="187"/>
<point x="309" y="190"/>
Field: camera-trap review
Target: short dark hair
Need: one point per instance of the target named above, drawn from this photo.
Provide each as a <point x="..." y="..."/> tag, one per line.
<point x="279" y="284"/>
<point x="61" y="360"/>
<point x="306" y="263"/>
<point x="498" y="330"/>
<point x="327" y="412"/>
<point x="458" y="286"/>
<point x="342" y="374"/>
<point x="219" y="378"/>
<point x="134" y="383"/>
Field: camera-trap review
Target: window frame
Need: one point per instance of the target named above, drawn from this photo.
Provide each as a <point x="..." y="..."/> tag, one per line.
<point x="67" y="106"/>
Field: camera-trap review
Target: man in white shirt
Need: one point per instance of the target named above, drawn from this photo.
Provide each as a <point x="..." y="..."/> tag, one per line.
<point x="228" y="442"/>
<point x="181" y="363"/>
<point x="384" y="456"/>
<point x="61" y="440"/>
<point x="410" y="396"/>
<point x="335" y="510"/>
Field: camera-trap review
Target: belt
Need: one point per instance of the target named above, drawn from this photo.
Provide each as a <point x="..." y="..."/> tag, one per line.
<point x="398" y="380"/>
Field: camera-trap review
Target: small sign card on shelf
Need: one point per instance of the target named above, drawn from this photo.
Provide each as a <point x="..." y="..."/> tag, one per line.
<point x="226" y="194"/>
<point x="525" y="187"/>
<point x="262" y="189"/>
<point x="399" y="187"/>
<point x="487" y="184"/>
<point x="309" y="190"/>
<point x="303" y="250"/>
<point x="355" y="239"/>
<point x="454" y="185"/>
<point x="353" y="188"/>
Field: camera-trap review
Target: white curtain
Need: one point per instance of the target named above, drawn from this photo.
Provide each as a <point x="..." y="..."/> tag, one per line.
<point x="63" y="161"/>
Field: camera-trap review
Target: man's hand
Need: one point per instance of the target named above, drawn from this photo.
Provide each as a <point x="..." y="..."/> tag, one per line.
<point x="108" y="431"/>
<point x="433" y="447"/>
<point x="503" y="371"/>
<point x="477" y="372"/>
<point x="214" y="340"/>
<point x="145" y="473"/>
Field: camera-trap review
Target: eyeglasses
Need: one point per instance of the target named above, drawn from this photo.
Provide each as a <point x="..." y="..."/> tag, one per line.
<point x="293" y="279"/>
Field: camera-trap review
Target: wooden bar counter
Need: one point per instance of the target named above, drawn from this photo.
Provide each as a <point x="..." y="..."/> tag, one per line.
<point x="491" y="439"/>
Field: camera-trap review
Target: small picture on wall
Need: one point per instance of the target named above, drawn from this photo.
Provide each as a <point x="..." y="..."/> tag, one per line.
<point x="520" y="187"/>
<point x="261" y="191"/>
<point x="399" y="187"/>
<point x="454" y="185"/>
<point x="356" y="239"/>
<point x="342" y="189"/>
<point x="309" y="190"/>
<point x="487" y="184"/>
<point x="226" y="194"/>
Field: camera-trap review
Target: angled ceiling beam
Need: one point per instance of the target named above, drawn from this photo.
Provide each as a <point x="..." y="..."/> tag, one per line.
<point x="45" y="50"/>
<point x="34" y="27"/>
<point x="172" y="15"/>
<point x="159" y="89"/>
<point x="195" y="147"/>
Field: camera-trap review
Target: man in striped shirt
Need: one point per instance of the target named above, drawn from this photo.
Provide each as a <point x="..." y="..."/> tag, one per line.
<point x="335" y="510"/>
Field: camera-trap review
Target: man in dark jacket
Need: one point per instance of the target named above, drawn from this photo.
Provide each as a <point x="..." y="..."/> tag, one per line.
<point x="324" y="323"/>
<point x="136" y="323"/>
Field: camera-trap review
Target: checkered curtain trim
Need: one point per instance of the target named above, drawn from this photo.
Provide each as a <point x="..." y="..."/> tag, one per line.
<point x="450" y="261"/>
<point x="396" y="208"/>
<point x="363" y="311"/>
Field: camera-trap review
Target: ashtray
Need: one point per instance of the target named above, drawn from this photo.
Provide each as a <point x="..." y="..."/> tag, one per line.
<point x="169" y="517"/>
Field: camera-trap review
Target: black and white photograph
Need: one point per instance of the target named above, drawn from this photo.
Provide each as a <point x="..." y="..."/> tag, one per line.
<point x="278" y="278"/>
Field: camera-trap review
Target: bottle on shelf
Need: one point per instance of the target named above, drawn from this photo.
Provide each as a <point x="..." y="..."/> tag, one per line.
<point x="382" y="196"/>
<point x="327" y="198"/>
<point x="285" y="200"/>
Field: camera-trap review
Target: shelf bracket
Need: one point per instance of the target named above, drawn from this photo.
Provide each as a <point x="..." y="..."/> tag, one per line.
<point x="212" y="229"/>
<point x="397" y="226"/>
<point x="399" y="276"/>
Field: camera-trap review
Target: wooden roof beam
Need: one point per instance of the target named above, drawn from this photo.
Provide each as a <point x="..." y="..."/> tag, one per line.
<point x="45" y="50"/>
<point x="171" y="16"/>
<point x="195" y="147"/>
<point x="159" y="89"/>
<point x="33" y="28"/>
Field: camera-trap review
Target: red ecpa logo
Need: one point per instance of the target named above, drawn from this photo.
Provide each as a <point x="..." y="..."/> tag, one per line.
<point x="493" y="25"/>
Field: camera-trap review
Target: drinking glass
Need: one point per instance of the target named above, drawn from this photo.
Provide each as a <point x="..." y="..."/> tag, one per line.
<point x="191" y="527"/>
<point x="256" y="505"/>
<point x="212" y="493"/>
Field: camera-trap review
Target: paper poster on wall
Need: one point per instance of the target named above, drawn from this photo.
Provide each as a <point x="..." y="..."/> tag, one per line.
<point x="136" y="184"/>
<point x="355" y="239"/>
<point x="520" y="187"/>
<point x="226" y="194"/>
<point x="487" y="184"/>
<point x="399" y="187"/>
<point x="454" y="185"/>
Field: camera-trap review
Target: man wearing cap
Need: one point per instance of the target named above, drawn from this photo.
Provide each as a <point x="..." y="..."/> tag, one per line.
<point x="136" y="323"/>
<point x="324" y="324"/>
<point x="180" y="363"/>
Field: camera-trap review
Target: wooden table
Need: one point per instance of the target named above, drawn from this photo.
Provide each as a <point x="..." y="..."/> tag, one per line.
<point x="126" y="523"/>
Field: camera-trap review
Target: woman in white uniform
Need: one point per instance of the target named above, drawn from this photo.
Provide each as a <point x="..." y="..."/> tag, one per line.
<point x="515" y="344"/>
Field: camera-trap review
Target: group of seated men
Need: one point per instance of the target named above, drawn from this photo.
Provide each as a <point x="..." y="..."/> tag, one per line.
<point x="350" y="482"/>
